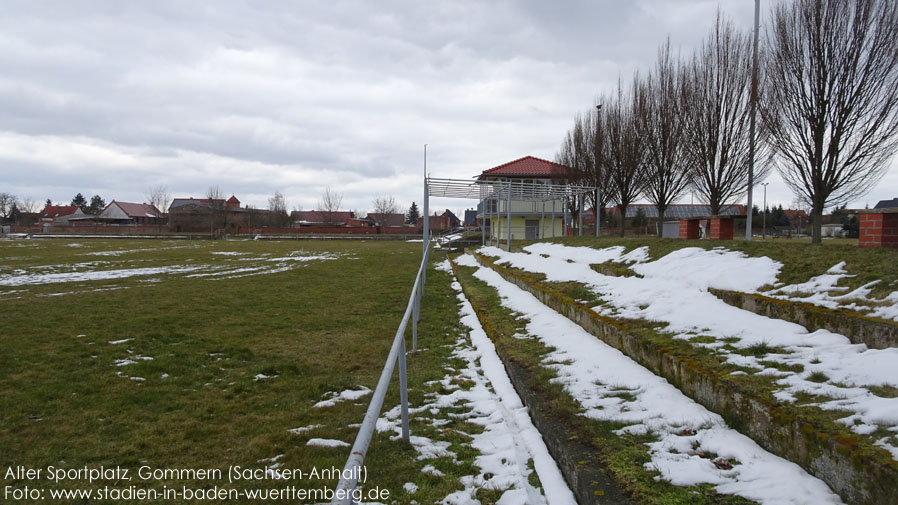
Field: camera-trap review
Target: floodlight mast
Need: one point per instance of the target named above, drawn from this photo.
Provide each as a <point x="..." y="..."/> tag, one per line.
<point x="751" y="124"/>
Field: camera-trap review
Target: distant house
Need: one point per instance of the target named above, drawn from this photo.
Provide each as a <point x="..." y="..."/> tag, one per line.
<point x="390" y="220"/>
<point x="471" y="220"/>
<point x="205" y="215"/>
<point x="131" y="213"/>
<point x="529" y="219"/>
<point x="321" y="218"/>
<point x="60" y="215"/>
<point x="442" y="222"/>
<point x="887" y="204"/>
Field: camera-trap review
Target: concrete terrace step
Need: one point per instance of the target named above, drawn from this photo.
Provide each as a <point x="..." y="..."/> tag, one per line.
<point x="849" y="463"/>
<point x="861" y="329"/>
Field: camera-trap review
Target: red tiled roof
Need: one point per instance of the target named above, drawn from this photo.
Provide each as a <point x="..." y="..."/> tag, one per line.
<point x="54" y="211"/>
<point x="138" y="209"/>
<point x="528" y="166"/>
<point x="793" y="214"/>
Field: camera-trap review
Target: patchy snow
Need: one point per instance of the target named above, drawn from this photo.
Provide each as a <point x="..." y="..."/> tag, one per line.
<point x="822" y="290"/>
<point x="431" y="470"/>
<point x="90" y="271"/>
<point x="685" y="275"/>
<point x="335" y="398"/>
<point x="326" y="442"/>
<point x="410" y="487"/>
<point x="122" y="341"/>
<point x="262" y="377"/>
<point x="119" y="252"/>
<point x="298" y="431"/>
<point x="229" y="253"/>
<point x="508" y="442"/>
<point x="132" y="360"/>
<point x="91" y="275"/>
<point x="611" y="387"/>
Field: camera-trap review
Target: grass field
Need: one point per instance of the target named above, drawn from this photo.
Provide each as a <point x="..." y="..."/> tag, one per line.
<point x="244" y="339"/>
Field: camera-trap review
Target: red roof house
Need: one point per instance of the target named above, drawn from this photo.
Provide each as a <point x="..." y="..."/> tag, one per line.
<point x="59" y="214"/>
<point x="528" y="166"/>
<point x="130" y="213"/>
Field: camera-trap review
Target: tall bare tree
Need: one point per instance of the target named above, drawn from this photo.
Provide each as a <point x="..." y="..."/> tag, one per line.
<point x="383" y="207"/>
<point x="582" y="152"/>
<point x="329" y="205"/>
<point x="159" y="197"/>
<point x="277" y="209"/>
<point x="660" y="125"/>
<point x="624" y="148"/>
<point x="7" y="201"/>
<point x="832" y="104"/>
<point x="27" y="205"/>
<point x="716" y="100"/>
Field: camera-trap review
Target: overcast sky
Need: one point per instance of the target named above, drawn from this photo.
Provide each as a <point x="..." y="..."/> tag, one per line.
<point x="113" y="97"/>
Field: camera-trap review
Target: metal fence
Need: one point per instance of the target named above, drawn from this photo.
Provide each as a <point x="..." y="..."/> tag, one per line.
<point x="349" y="478"/>
<point x="350" y="475"/>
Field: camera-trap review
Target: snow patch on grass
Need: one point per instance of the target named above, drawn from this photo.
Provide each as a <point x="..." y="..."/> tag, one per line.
<point x="326" y="442"/>
<point x="334" y="398"/>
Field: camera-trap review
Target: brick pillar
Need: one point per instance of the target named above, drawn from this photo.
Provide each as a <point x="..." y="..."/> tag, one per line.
<point x="878" y="230"/>
<point x="721" y="228"/>
<point x="689" y="229"/>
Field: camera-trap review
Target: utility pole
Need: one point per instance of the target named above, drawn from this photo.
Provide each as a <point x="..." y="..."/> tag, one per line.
<point x="751" y="125"/>
<point x="596" y="155"/>
<point x="764" y="229"/>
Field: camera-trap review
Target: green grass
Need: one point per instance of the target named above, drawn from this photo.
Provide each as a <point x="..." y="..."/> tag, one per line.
<point x="321" y="327"/>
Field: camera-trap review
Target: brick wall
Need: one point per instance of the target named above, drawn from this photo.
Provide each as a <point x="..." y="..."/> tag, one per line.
<point x="689" y="229"/>
<point x="878" y="230"/>
<point x="721" y="228"/>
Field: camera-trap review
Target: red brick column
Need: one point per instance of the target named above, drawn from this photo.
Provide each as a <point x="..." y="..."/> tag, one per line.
<point x="721" y="228"/>
<point x="689" y="229"/>
<point x="878" y="230"/>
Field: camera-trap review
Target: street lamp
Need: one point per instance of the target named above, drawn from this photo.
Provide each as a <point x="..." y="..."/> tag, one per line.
<point x="764" y="229"/>
<point x="596" y="160"/>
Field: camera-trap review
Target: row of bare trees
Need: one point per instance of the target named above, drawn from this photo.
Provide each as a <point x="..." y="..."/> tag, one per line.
<point x="828" y="99"/>
<point x="11" y="207"/>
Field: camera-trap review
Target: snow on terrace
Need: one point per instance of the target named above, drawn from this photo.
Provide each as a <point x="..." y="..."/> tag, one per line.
<point x="595" y="374"/>
<point x="673" y="290"/>
<point x="508" y="441"/>
<point x="823" y="291"/>
<point x="99" y="270"/>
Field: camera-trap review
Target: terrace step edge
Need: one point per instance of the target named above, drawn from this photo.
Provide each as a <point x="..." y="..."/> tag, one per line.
<point x="581" y="467"/>
<point x="823" y="450"/>
<point x="860" y="329"/>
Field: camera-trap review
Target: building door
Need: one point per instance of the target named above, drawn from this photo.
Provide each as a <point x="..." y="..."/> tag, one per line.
<point x="531" y="228"/>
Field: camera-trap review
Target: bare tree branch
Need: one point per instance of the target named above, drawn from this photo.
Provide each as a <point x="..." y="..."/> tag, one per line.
<point x="716" y="99"/>
<point x="159" y="197"/>
<point x="624" y="150"/>
<point x="277" y="209"/>
<point x="832" y="104"/>
<point x="383" y="207"/>
<point x="661" y="126"/>
<point x="329" y="205"/>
